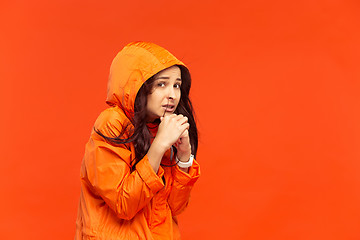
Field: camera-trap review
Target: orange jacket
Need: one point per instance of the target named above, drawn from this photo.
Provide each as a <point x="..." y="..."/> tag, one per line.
<point x="115" y="202"/>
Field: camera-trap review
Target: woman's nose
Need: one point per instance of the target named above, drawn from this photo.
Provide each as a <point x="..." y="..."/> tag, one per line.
<point x="171" y="93"/>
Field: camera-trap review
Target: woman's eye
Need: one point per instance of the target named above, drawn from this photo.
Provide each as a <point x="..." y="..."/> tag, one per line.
<point x="177" y="85"/>
<point x="161" y="84"/>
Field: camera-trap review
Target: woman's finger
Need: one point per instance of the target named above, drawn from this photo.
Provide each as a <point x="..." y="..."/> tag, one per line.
<point x="183" y="120"/>
<point x="184" y="134"/>
<point x="184" y="127"/>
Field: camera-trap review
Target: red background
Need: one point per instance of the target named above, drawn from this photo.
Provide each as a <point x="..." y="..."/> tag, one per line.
<point x="276" y="90"/>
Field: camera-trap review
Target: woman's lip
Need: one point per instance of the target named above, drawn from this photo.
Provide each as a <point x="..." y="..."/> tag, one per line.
<point x="168" y="108"/>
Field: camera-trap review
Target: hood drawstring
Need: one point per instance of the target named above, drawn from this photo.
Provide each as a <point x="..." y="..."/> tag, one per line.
<point x="166" y="106"/>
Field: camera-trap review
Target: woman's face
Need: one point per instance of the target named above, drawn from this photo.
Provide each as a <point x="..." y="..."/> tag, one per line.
<point x="165" y="95"/>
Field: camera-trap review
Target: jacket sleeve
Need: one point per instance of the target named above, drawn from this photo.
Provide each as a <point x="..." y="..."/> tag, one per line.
<point x="107" y="169"/>
<point x="181" y="187"/>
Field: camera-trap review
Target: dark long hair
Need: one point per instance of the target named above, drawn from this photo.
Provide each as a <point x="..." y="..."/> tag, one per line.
<point x="137" y="130"/>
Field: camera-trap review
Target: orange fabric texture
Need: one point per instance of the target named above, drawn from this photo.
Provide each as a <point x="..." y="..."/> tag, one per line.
<point x="115" y="202"/>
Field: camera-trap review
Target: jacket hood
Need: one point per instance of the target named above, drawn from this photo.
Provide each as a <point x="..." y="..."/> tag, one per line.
<point x="132" y="66"/>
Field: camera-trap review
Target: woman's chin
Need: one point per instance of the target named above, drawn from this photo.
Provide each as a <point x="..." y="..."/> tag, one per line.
<point x="157" y="118"/>
<point x="168" y="113"/>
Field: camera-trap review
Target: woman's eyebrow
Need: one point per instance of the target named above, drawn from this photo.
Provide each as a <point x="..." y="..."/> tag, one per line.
<point x="166" y="77"/>
<point x="162" y="77"/>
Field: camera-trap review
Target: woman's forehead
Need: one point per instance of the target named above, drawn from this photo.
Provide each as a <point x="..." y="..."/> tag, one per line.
<point x="169" y="72"/>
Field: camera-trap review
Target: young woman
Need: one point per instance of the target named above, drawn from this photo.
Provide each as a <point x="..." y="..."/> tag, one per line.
<point x="139" y="165"/>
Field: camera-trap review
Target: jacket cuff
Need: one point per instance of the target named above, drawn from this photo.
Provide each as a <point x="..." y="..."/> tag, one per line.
<point x="148" y="175"/>
<point x="187" y="178"/>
